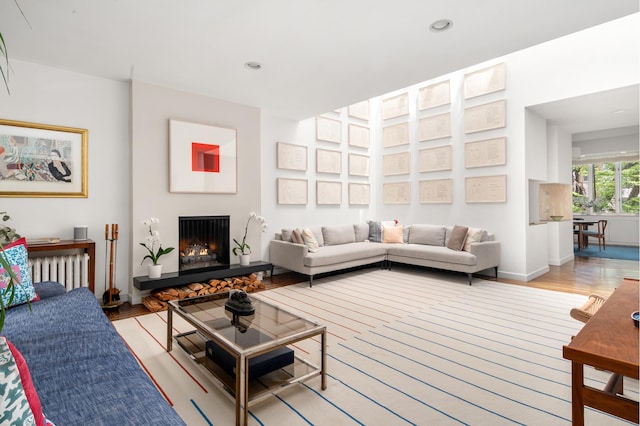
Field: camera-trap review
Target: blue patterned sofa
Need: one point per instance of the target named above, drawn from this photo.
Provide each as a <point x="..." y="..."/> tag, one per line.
<point x="82" y="370"/>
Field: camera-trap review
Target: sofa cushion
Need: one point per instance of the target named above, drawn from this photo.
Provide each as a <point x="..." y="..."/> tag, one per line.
<point x="432" y="253"/>
<point x="474" y="235"/>
<point x="317" y="232"/>
<point x="375" y="231"/>
<point x="335" y="235"/>
<point x="457" y="238"/>
<point x="331" y="255"/>
<point x="432" y="235"/>
<point x="392" y="234"/>
<point x="362" y="232"/>
<point x="16" y="254"/>
<point x="310" y="240"/>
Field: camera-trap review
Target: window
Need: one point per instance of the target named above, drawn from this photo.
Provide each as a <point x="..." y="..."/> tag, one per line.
<point x="606" y="187"/>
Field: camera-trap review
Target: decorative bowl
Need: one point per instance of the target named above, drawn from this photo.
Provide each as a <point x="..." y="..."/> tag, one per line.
<point x="556" y="218"/>
<point x="635" y="317"/>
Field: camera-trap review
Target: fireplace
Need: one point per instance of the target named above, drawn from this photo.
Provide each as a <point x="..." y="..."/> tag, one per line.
<point x="204" y="242"/>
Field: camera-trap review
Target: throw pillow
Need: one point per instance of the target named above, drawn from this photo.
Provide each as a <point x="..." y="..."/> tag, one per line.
<point x="474" y="235"/>
<point x="286" y="234"/>
<point x="392" y="234"/>
<point x="375" y="231"/>
<point x="309" y="240"/>
<point x="296" y="236"/>
<point x="27" y="384"/>
<point x="457" y="238"/>
<point x="362" y="232"/>
<point x="15" y="405"/>
<point x="16" y="254"/>
<point x="432" y="235"/>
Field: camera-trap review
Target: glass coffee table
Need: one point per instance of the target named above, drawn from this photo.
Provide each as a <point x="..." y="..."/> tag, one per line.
<point x="250" y="356"/>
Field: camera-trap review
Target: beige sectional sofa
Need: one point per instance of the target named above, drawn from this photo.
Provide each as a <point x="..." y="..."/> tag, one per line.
<point x="347" y="246"/>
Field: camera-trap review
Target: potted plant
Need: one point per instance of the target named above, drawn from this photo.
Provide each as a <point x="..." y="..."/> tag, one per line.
<point x="151" y="240"/>
<point x="243" y="250"/>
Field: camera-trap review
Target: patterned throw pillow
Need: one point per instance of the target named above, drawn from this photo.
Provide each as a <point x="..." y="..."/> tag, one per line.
<point x="375" y="231"/>
<point x="14" y="405"/>
<point x="16" y="254"/>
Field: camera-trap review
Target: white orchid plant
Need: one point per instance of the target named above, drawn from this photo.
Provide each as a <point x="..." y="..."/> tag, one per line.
<point x="152" y="240"/>
<point x="243" y="247"/>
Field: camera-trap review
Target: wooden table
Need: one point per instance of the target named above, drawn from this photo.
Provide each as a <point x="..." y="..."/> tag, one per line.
<point x="582" y="225"/>
<point x="608" y="341"/>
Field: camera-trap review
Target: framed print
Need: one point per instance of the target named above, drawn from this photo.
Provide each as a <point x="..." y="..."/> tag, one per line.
<point x="359" y="194"/>
<point x="395" y="135"/>
<point x="434" y="95"/>
<point x="485" y="117"/>
<point x="358" y="165"/>
<point x="396" y="164"/>
<point x="436" y="159"/>
<point x="359" y="136"/>
<point x="328" y="161"/>
<point x="484" y="81"/>
<point x="41" y="160"/>
<point x="434" y="127"/>
<point x="202" y="158"/>
<point x="490" y="152"/>
<point x="292" y="191"/>
<point x="328" y="192"/>
<point x="436" y="191"/>
<point x="291" y="157"/>
<point x="359" y="110"/>
<point x="396" y="193"/>
<point x="328" y="130"/>
<point x="395" y="106"/>
<point x="486" y="189"/>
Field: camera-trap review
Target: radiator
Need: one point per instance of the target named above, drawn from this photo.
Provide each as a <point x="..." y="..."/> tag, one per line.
<point x="72" y="270"/>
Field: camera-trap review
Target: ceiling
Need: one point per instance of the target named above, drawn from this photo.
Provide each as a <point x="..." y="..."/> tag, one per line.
<point x="315" y="55"/>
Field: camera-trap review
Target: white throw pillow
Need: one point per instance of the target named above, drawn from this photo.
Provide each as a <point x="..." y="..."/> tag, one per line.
<point x="309" y="240"/>
<point x="474" y="235"/>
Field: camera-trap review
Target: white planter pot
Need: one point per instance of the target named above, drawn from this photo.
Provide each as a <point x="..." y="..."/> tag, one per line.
<point x="245" y="259"/>
<point x="155" y="271"/>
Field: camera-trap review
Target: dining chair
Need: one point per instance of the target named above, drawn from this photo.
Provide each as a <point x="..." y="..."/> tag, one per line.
<point x="599" y="234"/>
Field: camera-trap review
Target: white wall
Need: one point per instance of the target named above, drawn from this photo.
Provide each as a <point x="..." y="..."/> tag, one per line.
<point x="51" y="96"/>
<point x="151" y="109"/>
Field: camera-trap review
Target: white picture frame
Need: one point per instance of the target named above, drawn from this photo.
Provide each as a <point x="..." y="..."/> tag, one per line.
<point x="435" y="191"/>
<point x="328" y="130"/>
<point x="486" y="189"/>
<point x="395" y="106"/>
<point x="396" y="164"/>
<point x="359" y="194"/>
<point x="328" y="161"/>
<point x="292" y="191"/>
<point x="435" y="159"/>
<point x="485" y="81"/>
<point x="291" y="157"/>
<point x="328" y="192"/>
<point x="485" y="153"/>
<point x="358" y="165"/>
<point x="434" y="95"/>
<point x="434" y="127"/>
<point x="359" y="136"/>
<point x="487" y="116"/>
<point x="395" y="135"/>
<point x="396" y="193"/>
<point x="359" y="110"/>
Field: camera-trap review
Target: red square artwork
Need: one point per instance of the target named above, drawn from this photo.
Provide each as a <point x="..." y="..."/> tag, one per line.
<point x="205" y="157"/>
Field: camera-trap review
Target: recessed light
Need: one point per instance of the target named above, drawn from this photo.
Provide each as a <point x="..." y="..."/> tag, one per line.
<point x="441" y="25"/>
<point x="252" y="65"/>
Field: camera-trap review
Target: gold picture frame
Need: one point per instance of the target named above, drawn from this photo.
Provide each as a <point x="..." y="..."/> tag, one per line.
<point x="42" y="160"/>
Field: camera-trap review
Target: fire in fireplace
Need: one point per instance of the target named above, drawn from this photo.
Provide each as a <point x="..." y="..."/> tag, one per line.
<point x="204" y="242"/>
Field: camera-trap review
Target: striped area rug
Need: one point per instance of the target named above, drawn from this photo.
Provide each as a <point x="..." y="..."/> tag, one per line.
<point x="405" y="347"/>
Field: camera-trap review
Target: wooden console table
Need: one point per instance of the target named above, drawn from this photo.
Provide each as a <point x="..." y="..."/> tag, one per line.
<point x="88" y="246"/>
<point x="175" y="279"/>
<point x="608" y="341"/>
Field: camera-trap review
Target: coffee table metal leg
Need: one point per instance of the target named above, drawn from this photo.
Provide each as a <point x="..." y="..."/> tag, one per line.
<point x="324" y="360"/>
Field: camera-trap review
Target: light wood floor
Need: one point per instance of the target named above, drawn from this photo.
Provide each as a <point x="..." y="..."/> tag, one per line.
<point x="583" y="275"/>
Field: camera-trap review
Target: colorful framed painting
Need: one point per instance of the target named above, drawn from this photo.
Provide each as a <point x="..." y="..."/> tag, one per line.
<point x="202" y="158"/>
<point x="40" y="160"/>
